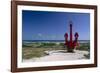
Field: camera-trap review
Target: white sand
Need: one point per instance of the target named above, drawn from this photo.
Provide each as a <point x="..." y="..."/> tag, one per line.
<point x="59" y="56"/>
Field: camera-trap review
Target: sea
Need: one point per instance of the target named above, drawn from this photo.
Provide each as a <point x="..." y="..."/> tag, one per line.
<point x="52" y="41"/>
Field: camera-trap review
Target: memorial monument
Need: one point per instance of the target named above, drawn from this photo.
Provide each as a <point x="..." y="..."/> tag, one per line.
<point x="71" y="44"/>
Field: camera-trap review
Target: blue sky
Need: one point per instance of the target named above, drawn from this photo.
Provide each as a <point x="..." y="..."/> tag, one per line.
<point x="44" y="25"/>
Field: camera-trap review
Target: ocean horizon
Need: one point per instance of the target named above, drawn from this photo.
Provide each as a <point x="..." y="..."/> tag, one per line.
<point x="51" y="41"/>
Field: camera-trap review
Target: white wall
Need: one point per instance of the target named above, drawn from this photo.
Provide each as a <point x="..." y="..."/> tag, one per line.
<point x="5" y="50"/>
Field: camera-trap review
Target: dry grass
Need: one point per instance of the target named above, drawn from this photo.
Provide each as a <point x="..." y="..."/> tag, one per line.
<point x="33" y="50"/>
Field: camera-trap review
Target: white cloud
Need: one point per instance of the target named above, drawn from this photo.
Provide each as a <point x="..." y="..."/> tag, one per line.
<point x="39" y="34"/>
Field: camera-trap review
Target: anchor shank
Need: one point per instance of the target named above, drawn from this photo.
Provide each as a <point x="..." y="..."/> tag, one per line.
<point x="71" y="35"/>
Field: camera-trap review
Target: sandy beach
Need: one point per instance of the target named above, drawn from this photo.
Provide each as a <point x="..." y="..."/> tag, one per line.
<point x="59" y="55"/>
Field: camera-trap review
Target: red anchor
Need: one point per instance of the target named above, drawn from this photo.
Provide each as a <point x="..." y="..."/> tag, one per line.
<point x="71" y="44"/>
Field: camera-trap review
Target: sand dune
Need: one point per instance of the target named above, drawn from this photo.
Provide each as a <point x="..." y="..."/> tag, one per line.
<point x="59" y="55"/>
